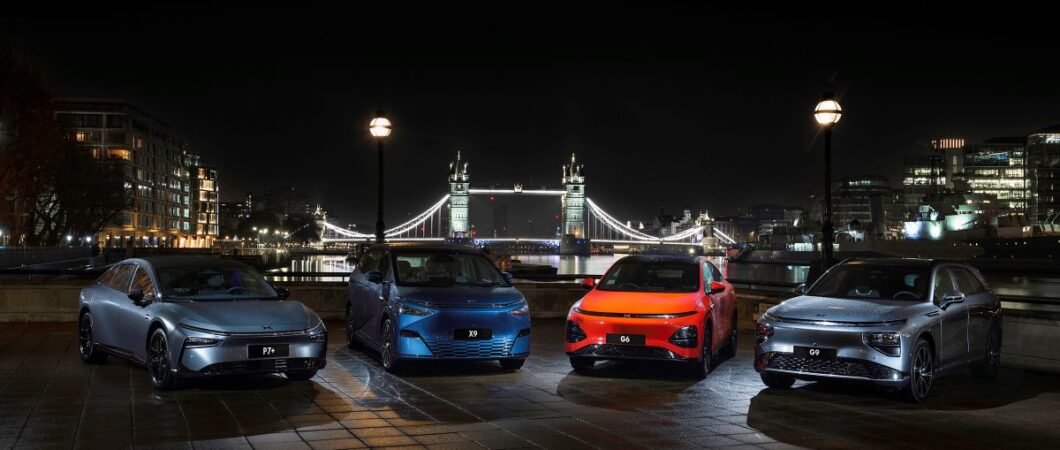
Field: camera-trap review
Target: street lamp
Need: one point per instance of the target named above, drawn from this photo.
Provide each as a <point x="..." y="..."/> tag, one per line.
<point x="380" y="128"/>
<point x="827" y="113"/>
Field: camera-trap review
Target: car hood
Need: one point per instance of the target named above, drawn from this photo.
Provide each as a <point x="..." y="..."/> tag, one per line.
<point x="639" y="302"/>
<point x="243" y="316"/>
<point x="808" y="307"/>
<point x="460" y="295"/>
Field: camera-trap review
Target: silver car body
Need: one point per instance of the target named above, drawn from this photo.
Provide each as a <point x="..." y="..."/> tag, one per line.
<point x="956" y="329"/>
<point x="122" y="327"/>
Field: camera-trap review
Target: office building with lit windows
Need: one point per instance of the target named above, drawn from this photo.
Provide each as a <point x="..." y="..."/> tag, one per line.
<point x="998" y="167"/>
<point x="158" y="170"/>
<point x="1043" y="164"/>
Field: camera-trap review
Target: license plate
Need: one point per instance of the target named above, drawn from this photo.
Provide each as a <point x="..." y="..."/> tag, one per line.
<point x="268" y="351"/>
<point x="625" y="339"/>
<point x="472" y="334"/>
<point x="815" y="353"/>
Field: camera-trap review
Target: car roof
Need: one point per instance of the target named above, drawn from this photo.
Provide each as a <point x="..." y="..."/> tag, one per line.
<point x="662" y="257"/>
<point x="448" y="246"/>
<point x="904" y="262"/>
<point x="187" y="261"/>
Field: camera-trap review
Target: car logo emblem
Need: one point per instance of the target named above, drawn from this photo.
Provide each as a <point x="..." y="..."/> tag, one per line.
<point x="626" y="316"/>
<point x="820" y="315"/>
<point x="266" y="327"/>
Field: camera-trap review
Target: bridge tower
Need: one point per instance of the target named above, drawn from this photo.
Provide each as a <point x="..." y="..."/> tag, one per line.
<point x="574" y="240"/>
<point x="459" y="199"/>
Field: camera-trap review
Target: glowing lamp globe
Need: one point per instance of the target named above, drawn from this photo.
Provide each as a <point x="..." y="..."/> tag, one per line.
<point x="828" y="110"/>
<point x="380" y="126"/>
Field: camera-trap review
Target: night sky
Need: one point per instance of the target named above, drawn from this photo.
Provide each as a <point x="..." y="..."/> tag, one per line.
<point x="667" y="107"/>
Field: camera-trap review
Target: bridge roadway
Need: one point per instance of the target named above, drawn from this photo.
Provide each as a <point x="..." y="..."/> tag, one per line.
<point x="51" y="400"/>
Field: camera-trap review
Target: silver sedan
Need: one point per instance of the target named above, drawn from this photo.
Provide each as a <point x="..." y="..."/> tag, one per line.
<point x="897" y="323"/>
<point x="186" y="317"/>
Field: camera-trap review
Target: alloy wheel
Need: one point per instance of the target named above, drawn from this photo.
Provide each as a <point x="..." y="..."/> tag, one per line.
<point x="384" y="352"/>
<point x="349" y="326"/>
<point x="922" y="373"/>
<point x="993" y="351"/>
<point x="85" y="336"/>
<point x="158" y="360"/>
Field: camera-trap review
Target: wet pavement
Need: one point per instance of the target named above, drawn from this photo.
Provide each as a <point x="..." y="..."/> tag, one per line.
<point x="50" y="399"/>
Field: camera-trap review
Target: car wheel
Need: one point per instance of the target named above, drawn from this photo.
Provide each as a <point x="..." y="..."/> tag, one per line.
<point x="87" y="340"/>
<point x="701" y="366"/>
<point x="351" y="338"/>
<point x="300" y="375"/>
<point x="159" y="366"/>
<point x="921" y="373"/>
<point x="582" y="364"/>
<point x="386" y="351"/>
<point x="991" y="363"/>
<point x="777" y="381"/>
<point x="730" y="347"/>
<point x="512" y="364"/>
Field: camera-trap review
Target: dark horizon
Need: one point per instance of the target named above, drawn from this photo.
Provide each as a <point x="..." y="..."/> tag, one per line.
<point x="666" y="107"/>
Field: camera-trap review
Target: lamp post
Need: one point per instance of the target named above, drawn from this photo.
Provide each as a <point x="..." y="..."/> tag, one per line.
<point x="827" y="114"/>
<point x="380" y="128"/>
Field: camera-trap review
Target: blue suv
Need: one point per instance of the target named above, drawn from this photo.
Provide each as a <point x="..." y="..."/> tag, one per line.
<point x="415" y="301"/>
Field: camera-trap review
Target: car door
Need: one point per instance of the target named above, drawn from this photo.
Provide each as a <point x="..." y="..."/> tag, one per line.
<point x="135" y="318"/>
<point x="720" y="304"/>
<point x="375" y="298"/>
<point x="953" y="344"/>
<point x="357" y="290"/>
<point x="980" y="305"/>
<point x="106" y="308"/>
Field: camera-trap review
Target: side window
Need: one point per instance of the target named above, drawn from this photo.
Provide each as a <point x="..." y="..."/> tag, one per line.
<point x="708" y="276"/>
<point x="966" y="282"/>
<point x="943" y="284"/>
<point x="384" y="265"/>
<point x="143" y="281"/>
<point x="122" y="276"/>
<point x="716" y="272"/>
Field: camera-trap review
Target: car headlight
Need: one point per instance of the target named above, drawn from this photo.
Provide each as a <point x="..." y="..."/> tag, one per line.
<point x="521" y="311"/>
<point x="763" y="331"/>
<point x="317" y="333"/>
<point x="686" y="337"/>
<point x="200" y="342"/>
<point x="410" y="310"/>
<point x="888" y="343"/>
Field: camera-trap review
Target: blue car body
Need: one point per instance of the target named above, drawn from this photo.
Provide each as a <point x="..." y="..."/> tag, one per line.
<point x="434" y="322"/>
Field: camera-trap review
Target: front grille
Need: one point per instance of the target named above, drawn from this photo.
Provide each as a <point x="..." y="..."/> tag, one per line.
<point x="626" y="351"/>
<point x="260" y="366"/>
<point x="846" y="367"/>
<point x="491" y="348"/>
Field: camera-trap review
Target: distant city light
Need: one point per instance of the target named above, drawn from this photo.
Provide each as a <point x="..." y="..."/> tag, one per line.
<point x="69" y="238"/>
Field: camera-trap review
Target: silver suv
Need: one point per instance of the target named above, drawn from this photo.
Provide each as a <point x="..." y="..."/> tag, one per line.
<point x="898" y="323"/>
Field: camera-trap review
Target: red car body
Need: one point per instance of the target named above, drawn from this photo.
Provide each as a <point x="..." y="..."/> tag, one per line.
<point x="613" y="323"/>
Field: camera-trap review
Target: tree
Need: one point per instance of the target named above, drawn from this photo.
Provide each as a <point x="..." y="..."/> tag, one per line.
<point x="302" y="228"/>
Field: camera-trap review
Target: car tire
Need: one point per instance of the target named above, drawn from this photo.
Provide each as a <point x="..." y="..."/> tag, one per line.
<point x="387" y="356"/>
<point x="90" y="352"/>
<point x="582" y="364"/>
<point x="921" y="373"/>
<point x="777" y="381"/>
<point x="702" y="366"/>
<point x="300" y="375"/>
<point x="512" y="364"/>
<point x="991" y="363"/>
<point x="730" y="347"/>
<point x="159" y="366"/>
<point x="351" y="337"/>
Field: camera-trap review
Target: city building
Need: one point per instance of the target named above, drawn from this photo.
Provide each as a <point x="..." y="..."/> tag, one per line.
<point x="156" y="165"/>
<point x="1043" y="164"/>
<point x="947" y="158"/>
<point x="997" y="167"/>
<point x="864" y="204"/>
<point x="284" y="201"/>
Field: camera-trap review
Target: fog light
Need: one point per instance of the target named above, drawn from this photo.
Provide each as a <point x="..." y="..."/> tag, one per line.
<point x="685" y="337"/>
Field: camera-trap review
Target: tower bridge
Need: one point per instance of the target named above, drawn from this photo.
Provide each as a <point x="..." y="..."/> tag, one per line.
<point x="583" y="221"/>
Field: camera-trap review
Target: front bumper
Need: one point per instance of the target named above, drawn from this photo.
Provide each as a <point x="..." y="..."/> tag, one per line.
<point x="231" y="356"/>
<point x="855" y="360"/>
<point x="431" y="337"/>
<point x="657" y="333"/>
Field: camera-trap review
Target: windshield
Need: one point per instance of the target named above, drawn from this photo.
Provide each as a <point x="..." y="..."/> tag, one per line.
<point x="867" y="281"/>
<point x="213" y="283"/>
<point x="444" y="268"/>
<point x="652" y="276"/>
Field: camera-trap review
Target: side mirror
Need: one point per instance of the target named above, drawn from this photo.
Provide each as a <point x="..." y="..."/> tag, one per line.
<point x="374" y="276"/>
<point x="136" y="295"/>
<point x="507" y="277"/>
<point x="589" y="283"/>
<point x="950" y="298"/>
<point x="282" y="292"/>
<point x="716" y="287"/>
<point x="800" y="289"/>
